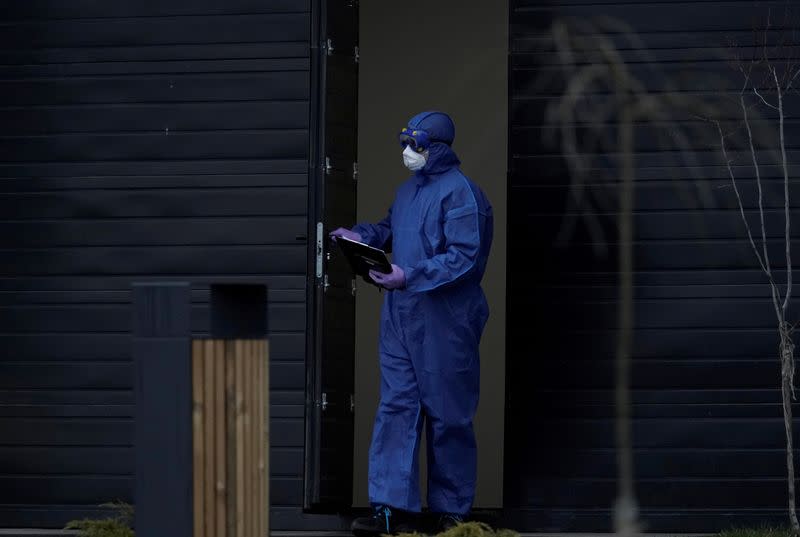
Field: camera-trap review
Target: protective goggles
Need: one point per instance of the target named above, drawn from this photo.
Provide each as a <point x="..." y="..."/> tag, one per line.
<point x="418" y="140"/>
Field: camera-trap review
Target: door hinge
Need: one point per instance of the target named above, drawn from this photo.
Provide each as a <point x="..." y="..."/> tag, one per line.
<point x="355" y="171"/>
<point x="328" y="166"/>
<point x="320" y="248"/>
<point x="329" y="47"/>
<point x="325" y="284"/>
<point x="324" y="401"/>
<point x="353" y="287"/>
<point x="356" y="55"/>
<point x="352" y="404"/>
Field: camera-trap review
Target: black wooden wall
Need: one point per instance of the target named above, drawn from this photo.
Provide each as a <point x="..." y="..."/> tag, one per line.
<point x="707" y="426"/>
<point x="141" y="140"/>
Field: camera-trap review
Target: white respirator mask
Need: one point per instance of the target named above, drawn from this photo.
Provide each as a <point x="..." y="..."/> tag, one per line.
<point x="414" y="161"/>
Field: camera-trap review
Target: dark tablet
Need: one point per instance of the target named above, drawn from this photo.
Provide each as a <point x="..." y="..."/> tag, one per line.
<point x="363" y="257"/>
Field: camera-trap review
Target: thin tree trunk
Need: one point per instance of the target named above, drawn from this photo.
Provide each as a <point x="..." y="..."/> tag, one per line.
<point x="626" y="510"/>
<point x="787" y="389"/>
<point x="787" y="345"/>
<point x="787" y="223"/>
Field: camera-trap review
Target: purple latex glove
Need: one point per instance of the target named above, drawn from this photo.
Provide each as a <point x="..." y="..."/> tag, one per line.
<point x="396" y="279"/>
<point x="346" y="233"/>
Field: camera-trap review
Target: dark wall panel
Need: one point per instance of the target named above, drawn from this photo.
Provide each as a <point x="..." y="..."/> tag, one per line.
<point x="143" y="140"/>
<point x="707" y="420"/>
<point x="54" y="9"/>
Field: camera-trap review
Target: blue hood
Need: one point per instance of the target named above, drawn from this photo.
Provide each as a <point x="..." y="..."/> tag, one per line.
<point x="440" y="127"/>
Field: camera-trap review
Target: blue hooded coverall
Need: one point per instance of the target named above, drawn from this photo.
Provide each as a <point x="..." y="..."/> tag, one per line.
<point x="439" y="229"/>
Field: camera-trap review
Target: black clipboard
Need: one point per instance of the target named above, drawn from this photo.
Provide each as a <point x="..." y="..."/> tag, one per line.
<point x="363" y="258"/>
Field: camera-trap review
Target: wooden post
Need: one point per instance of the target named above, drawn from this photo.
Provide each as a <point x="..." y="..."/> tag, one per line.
<point x="202" y="435"/>
<point x="235" y="391"/>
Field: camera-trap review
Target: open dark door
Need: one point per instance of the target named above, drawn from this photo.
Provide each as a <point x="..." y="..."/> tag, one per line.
<point x="331" y="330"/>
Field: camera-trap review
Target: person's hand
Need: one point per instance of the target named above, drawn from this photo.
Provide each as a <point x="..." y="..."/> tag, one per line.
<point x="396" y="279"/>
<point x="346" y="233"/>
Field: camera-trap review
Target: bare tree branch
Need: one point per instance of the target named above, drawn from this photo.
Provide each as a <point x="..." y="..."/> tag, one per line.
<point x="784" y="162"/>
<point x="758" y="182"/>
<point x="774" y="290"/>
<point x="739" y="198"/>
<point x="652" y="106"/>
<point x="579" y="80"/>
<point x="755" y="90"/>
<point x="789" y="86"/>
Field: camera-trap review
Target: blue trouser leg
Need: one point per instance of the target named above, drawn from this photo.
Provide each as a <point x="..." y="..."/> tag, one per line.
<point x="447" y="359"/>
<point x="394" y="452"/>
<point x="452" y="450"/>
<point x="429" y="369"/>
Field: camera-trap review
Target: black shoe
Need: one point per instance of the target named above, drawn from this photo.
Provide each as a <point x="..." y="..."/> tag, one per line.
<point x="382" y="522"/>
<point x="448" y="521"/>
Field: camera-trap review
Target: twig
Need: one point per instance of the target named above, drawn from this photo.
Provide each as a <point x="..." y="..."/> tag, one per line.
<point x="789" y="86"/>
<point x="784" y="161"/>
<point x="775" y="290"/>
<point x="739" y="197"/>
<point x="758" y="182"/>
<point x="755" y="90"/>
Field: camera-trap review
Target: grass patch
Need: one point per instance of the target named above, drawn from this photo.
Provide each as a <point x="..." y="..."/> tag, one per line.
<point x="471" y="529"/>
<point x="116" y="526"/>
<point x="761" y="531"/>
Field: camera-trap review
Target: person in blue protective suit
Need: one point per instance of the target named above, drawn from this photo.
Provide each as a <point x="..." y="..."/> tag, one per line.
<point x="439" y="230"/>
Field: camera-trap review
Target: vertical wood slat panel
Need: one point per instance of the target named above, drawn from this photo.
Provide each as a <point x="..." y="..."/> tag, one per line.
<point x="254" y="437"/>
<point x="198" y="416"/>
<point x="243" y="440"/>
<point x="256" y="441"/>
<point x="265" y="450"/>
<point x="249" y="439"/>
<point x="208" y="463"/>
<point x="230" y="383"/>
<point x="259" y="439"/>
<point x="240" y="530"/>
<point x="219" y="435"/>
<point x="230" y="435"/>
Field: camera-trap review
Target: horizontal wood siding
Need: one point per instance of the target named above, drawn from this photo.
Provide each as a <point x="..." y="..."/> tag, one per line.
<point x="141" y="141"/>
<point x="707" y="423"/>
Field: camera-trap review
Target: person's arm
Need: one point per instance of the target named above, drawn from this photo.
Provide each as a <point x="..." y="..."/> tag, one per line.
<point x="378" y="235"/>
<point x="462" y="231"/>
